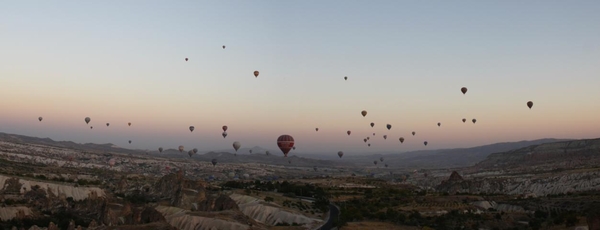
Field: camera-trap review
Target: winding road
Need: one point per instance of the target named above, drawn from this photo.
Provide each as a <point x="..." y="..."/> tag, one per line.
<point x="334" y="212"/>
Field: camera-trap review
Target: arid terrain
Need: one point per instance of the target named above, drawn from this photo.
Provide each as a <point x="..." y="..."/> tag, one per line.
<point x="60" y="185"/>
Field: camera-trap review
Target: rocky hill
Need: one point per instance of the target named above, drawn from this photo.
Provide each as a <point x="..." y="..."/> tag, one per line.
<point x="564" y="154"/>
<point x="108" y="147"/>
<point x="444" y="158"/>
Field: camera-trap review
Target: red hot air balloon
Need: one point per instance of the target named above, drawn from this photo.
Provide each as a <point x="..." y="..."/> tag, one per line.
<point x="285" y="143"/>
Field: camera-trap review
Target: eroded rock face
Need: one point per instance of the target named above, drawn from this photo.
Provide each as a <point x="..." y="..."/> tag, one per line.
<point x="219" y="203"/>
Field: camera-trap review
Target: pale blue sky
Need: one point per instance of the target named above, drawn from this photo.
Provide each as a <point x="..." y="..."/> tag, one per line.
<point x="121" y="61"/>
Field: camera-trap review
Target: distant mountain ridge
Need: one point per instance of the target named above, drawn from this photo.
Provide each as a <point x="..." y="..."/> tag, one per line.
<point x="441" y="158"/>
<point x="563" y="154"/>
<point x="108" y="147"/>
<point x="446" y="158"/>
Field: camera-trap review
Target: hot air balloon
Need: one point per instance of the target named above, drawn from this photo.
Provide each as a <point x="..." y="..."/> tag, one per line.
<point x="375" y="162"/>
<point x="294" y="148"/>
<point x="224" y="128"/>
<point x="40" y="118"/>
<point x="87" y="120"/>
<point x="160" y="149"/>
<point x="256" y="73"/>
<point x="369" y="144"/>
<point x="401" y="139"/>
<point x="385" y="137"/>
<point x="372" y="124"/>
<point x="91" y="127"/>
<point x="439" y="124"/>
<point x="474" y="120"/>
<point x="529" y="104"/>
<point x="129" y="124"/>
<point x="191" y="128"/>
<point x="365" y="140"/>
<point x="223" y="47"/>
<point x="340" y="154"/>
<point x="463" y="90"/>
<point x="425" y="143"/>
<point x="315" y="168"/>
<point x="364" y="113"/>
<point x="346" y="78"/>
<point x="464" y="120"/>
<point x="285" y="143"/>
<point x="214" y="162"/>
<point x="129" y="141"/>
<point x="190" y="153"/>
<point x="317" y="129"/>
<point x="413" y="133"/>
<point x="236" y="145"/>
<point x="388" y="126"/>
<point x="186" y="59"/>
<point x="107" y="124"/>
<point x="250" y="150"/>
<point x="289" y="162"/>
<point x="386" y="167"/>
<point x="195" y="150"/>
<point x="381" y="159"/>
<point x="268" y="153"/>
<point x="181" y="148"/>
<point x="224" y="134"/>
<point x="373" y="134"/>
<point x="348" y="132"/>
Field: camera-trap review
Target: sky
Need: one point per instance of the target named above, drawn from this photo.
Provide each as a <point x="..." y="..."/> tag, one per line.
<point x="123" y="61"/>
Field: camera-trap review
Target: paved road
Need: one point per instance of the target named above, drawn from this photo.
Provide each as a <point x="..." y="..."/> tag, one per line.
<point x="334" y="212"/>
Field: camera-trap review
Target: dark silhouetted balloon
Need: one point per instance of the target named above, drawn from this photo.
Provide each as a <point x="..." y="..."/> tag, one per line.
<point x="439" y="124"/>
<point x="401" y="139"/>
<point x="224" y="128"/>
<point x="463" y="90"/>
<point x="413" y="133"/>
<point x="129" y="141"/>
<point x="40" y="118"/>
<point x="388" y="126"/>
<point x="364" y="113"/>
<point x="160" y="149"/>
<point x="317" y="129"/>
<point x="186" y="59"/>
<point x="191" y="128"/>
<point x="224" y="134"/>
<point x="214" y="162"/>
<point x="236" y="145"/>
<point x="385" y="137"/>
<point x="107" y="124"/>
<point x="87" y="120"/>
<point x="129" y="123"/>
<point x="474" y="120"/>
<point x="529" y="104"/>
<point x="372" y="124"/>
<point x="223" y="47"/>
<point x="464" y="120"/>
<point x="340" y="154"/>
<point x="346" y="78"/>
<point x="348" y="132"/>
<point x="425" y="143"/>
<point x="256" y="73"/>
